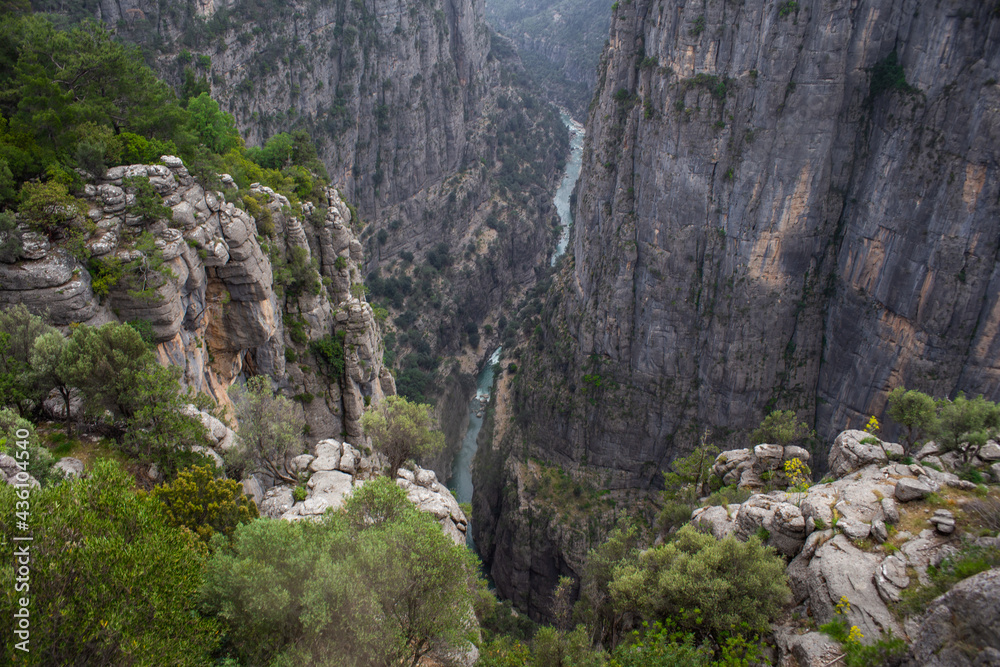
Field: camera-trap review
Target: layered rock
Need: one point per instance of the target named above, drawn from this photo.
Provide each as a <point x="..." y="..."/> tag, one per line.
<point x="779" y="207"/>
<point x="203" y="282"/>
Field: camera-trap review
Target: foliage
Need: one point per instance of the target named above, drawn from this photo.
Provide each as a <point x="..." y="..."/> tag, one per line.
<point x="270" y="430"/>
<point x="213" y="127"/>
<point x="684" y="485"/>
<point x="361" y="588"/>
<point x="781" y="428"/>
<point x="798" y="474"/>
<point x="596" y="607"/>
<point x="299" y="274"/>
<point x="11" y="238"/>
<point x="663" y="645"/>
<point x="401" y="430"/>
<point x="965" y="425"/>
<point x="40" y="460"/>
<point x="19" y="329"/>
<point x="158" y="431"/>
<point x="105" y="364"/>
<point x="148" y="205"/>
<point x="888" y="74"/>
<point x="872" y="426"/>
<point x="199" y="501"/>
<point x="708" y="586"/>
<point x="914" y="410"/>
<point x="48" y="207"/>
<point x="970" y="560"/>
<point x="105" y="565"/>
<point x="329" y="352"/>
<point x="51" y="366"/>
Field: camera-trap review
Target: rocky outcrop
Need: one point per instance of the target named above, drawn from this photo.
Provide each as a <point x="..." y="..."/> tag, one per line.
<point x="962" y="627"/>
<point x="337" y="468"/>
<point x="202" y="280"/>
<point x="790" y="207"/>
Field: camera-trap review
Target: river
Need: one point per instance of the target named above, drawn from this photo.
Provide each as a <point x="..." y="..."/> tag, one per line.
<point x="461" y="479"/>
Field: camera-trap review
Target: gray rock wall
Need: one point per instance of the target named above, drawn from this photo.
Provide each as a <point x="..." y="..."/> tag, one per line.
<point x="763" y="222"/>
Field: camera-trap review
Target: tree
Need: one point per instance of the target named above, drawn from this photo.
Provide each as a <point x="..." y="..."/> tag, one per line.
<point x="914" y="410"/>
<point x="401" y="430"/>
<point x="965" y="425"/>
<point x="199" y="501"/>
<point x="707" y="586"/>
<point x="111" y="583"/>
<point x="19" y="328"/>
<point x="49" y="207"/>
<point x="107" y="363"/>
<point x="51" y="367"/>
<point x="158" y="431"/>
<point x="270" y="430"/>
<point x="355" y="590"/>
<point x="780" y="428"/>
<point x="214" y="127"/>
<point x="596" y="607"/>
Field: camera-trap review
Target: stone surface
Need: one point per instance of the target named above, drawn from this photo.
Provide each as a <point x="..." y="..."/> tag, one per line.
<point x="913" y="489"/>
<point x="962" y="627"/>
<point x="69" y="466"/>
<point x="849" y="453"/>
<point x="277" y="501"/>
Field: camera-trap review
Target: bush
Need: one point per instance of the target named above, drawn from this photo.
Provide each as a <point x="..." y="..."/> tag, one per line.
<point x="780" y="428"/>
<point x="400" y="430"/>
<point x="708" y="586"/>
<point x="206" y="505"/>
<point x="378" y="583"/>
<point x="113" y="584"/>
<point x="329" y="352"/>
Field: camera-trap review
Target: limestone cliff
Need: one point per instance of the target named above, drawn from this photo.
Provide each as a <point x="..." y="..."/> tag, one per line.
<point x="203" y="280"/>
<point x="787" y="205"/>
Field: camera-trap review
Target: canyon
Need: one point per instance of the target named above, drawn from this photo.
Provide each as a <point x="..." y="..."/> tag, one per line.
<point x="782" y="206"/>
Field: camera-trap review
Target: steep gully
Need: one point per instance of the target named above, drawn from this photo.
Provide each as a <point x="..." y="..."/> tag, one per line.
<point x="461" y="480"/>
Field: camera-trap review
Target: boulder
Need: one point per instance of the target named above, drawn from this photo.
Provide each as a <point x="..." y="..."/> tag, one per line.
<point x="849" y="453"/>
<point x="277" y="501"/>
<point x="908" y="489"/>
<point x="894" y="450"/>
<point x="891" y="578"/>
<point x="55" y="407"/>
<point x="209" y="454"/>
<point x="768" y="457"/>
<point x="332" y="486"/>
<point x="990" y="451"/>
<point x="800" y="453"/>
<point x="995" y="471"/>
<point x="811" y="649"/>
<point x="838" y="570"/>
<point x="300" y="464"/>
<point x="930" y="449"/>
<point x="69" y="467"/>
<point x="783" y="521"/>
<point x="962" y="627"/>
<point x="944" y="521"/>
<point x="729" y="465"/>
<point x="879" y="532"/>
<point x="328" y="456"/>
<point x="889" y="511"/>
<point x="253" y="488"/>
<point x="720" y="520"/>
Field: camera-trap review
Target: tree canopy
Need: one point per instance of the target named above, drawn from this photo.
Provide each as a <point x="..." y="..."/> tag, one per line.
<point x="401" y="430"/>
<point x="112" y="583"/>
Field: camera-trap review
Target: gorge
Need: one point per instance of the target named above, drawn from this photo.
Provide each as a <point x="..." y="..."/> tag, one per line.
<point x="781" y="206"/>
<point x="769" y="206"/>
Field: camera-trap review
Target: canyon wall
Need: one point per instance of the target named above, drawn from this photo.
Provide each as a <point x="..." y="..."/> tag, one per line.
<point x="788" y="205"/>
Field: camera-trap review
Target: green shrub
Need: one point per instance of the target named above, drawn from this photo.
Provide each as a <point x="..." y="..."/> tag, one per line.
<point x="199" y="501"/>
<point x="377" y="583"/>
<point x="329" y="352"/>
<point x="113" y="584"/>
<point x="708" y="586"/>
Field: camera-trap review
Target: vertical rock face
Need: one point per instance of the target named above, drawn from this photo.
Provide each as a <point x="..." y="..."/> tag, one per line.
<point x="787" y="205"/>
